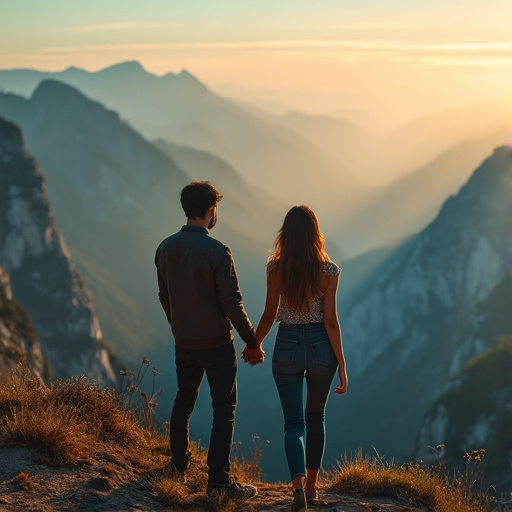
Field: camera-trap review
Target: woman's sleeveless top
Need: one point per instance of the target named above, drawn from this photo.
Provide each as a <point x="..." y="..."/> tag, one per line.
<point x="287" y="315"/>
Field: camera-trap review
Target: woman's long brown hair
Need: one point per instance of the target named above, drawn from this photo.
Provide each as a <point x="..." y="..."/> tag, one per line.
<point x="299" y="253"/>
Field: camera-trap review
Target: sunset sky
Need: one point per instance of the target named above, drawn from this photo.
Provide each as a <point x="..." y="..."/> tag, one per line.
<point x="416" y="56"/>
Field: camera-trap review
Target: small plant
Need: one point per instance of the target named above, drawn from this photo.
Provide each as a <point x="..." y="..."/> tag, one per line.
<point x="247" y="467"/>
<point x="438" y="451"/>
<point x="472" y="480"/>
<point x="169" y="490"/>
<point x="108" y="470"/>
<point x="221" y="503"/>
<point x="135" y="397"/>
<point x="22" y="479"/>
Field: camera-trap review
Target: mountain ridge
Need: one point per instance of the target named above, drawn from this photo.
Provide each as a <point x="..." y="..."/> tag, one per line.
<point x="43" y="277"/>
<point x="422" y="301"/>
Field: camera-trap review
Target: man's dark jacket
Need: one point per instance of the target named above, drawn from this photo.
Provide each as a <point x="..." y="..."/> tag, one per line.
<point x="198" y="290"/>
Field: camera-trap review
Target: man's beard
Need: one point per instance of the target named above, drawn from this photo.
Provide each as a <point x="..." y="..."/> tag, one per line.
<point x="213" y="221"/>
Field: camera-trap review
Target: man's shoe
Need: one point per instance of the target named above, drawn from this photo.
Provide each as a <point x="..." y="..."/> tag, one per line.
<point x="177" y="473"/>
<point x="233" y="492"/>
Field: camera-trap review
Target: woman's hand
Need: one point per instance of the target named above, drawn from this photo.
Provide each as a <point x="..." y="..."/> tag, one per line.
<point x="253" y="356"/>
<point x="342" y="388"/>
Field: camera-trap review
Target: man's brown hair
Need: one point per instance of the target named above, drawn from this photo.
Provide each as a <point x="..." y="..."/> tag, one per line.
<point x="197" y="197"/>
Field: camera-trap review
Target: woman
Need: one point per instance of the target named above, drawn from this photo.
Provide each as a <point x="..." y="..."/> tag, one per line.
<point x="301" y="296"/>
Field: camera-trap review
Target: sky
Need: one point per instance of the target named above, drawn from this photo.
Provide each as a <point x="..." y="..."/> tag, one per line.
<point x="395" y="57"/>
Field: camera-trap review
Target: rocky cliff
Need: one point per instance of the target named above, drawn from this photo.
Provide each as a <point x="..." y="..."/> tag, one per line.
<point x="18" y="341"/>
<point x="417" y="319"/>
<point x="43" y="277"/>
<point x="475" y="413"/>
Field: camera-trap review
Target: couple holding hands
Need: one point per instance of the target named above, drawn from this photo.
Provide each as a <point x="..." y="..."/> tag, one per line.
<point x="199" y="292"/>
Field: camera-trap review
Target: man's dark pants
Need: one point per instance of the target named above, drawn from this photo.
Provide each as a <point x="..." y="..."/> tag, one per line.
<point x="220" y="366"/>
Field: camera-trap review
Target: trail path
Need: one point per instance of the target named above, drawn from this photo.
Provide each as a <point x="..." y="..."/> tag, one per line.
<point x="89" y="488"/>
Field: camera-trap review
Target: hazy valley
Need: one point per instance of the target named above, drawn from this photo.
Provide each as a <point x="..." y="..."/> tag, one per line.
<point x="78" y="231"/>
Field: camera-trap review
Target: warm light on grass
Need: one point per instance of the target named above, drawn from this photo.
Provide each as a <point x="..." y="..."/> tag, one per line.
<point x="247" y="465"/>
<point x="409" y="483"/>
<point x="72" y="420"/>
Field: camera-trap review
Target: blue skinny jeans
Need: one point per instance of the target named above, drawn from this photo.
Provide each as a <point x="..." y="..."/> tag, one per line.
<point x="303" y="351"/>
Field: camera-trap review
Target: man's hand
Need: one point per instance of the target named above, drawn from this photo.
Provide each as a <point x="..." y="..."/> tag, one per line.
<point x="253" y="356"/>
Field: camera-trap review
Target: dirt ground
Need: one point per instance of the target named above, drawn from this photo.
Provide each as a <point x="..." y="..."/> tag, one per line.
<point x="28" y="485"/>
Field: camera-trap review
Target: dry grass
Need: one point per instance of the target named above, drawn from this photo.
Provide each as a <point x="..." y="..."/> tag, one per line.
<point x="246" y="466"/>
<point x="70" y="421"/>
<point x="22" y="479"/>
<point x="414" y="484"/>
<point x="174" y="492"/>
<point x="73" y="421"/>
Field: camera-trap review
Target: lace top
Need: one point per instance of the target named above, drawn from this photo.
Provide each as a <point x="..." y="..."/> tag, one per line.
<point x="287" y="315"/>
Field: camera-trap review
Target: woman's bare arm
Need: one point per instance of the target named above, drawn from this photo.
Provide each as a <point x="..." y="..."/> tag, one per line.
<point x="257" y="355"/>
<point x="269" y="313"/>
<point x="332" y="326"/>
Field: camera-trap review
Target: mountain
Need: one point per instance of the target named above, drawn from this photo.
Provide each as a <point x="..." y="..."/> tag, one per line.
<point x="18" y="340"/>
<point x="475" y="413"/>
<point x="411" y="317"/>
<point x="411" y="202"/>
<point x="321" y="161"/>
<point x="338" y="138"/>
<point x="180" y="109"/>
<point x="43" y="276"/>
<point x="109" y="189"/>
<point x="417" y="318"/>
<point x="379" y="160"/>
<point x="417" y="142"/>
<point x="116" y="196"/>
<point x="112" y="231"/>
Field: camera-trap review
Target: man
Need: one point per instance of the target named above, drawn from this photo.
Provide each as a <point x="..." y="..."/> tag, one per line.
<point x="198" y="290"/>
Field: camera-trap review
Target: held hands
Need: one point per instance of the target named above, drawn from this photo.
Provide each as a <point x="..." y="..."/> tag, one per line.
<point x="253" y="356"/>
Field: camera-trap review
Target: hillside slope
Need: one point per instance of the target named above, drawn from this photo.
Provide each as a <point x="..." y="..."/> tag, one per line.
<point x="424" y="312"/>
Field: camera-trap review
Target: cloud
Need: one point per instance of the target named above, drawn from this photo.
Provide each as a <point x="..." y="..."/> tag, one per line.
<point x="123" y="25"/>
<point x="493" y="50"/>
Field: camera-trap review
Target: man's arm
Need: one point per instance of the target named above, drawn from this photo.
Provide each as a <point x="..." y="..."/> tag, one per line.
<point x="163" y="293"/>
<point x="230" y="296"/>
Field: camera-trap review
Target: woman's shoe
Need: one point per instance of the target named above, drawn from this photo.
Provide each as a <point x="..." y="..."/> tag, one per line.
<point x="312" y="497"/>
<point x="299" y="500"/>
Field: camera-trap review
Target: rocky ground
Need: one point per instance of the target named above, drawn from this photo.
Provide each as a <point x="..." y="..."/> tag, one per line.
<point x="29" y="485"/>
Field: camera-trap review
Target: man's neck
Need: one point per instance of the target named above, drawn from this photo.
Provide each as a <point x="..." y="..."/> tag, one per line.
<point x="198" y="222"/>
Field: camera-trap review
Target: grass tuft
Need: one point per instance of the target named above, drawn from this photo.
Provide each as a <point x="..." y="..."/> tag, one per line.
<point x="22" y="479"/>
<point x="70" y="421"/>
<point x="409" y="483"/>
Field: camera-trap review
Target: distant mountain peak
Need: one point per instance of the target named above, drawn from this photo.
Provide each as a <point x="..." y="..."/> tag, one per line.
<point x="186" y="74"/>
<point x="128" y="67"/>
<point x="184" y="77"/>
<point x="51" y="88"/>
<point x="75" y="69"/>
<point x="503" y="151"/>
